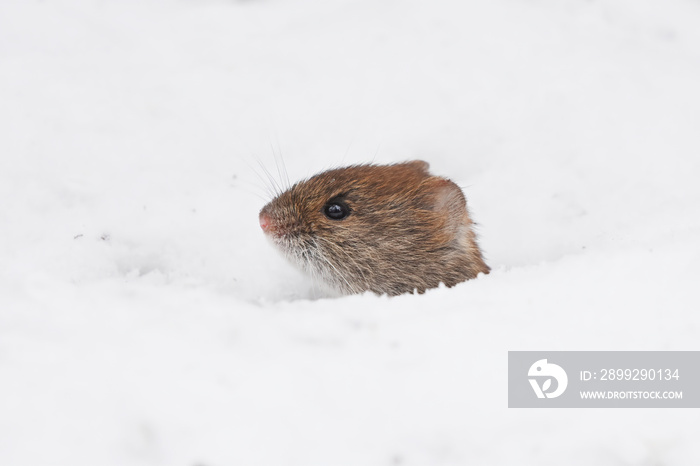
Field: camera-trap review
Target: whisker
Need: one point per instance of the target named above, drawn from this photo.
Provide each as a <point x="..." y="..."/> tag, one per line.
<point x="277" y="165"/>
<point x="285" y="174"/>
<point x="278" y="190"/>
<point x="258" y="195"/>
<point x="350" y="258"/>
<point x="350" y="287"/>
<point x="374" y="157"/>
<point x="347" y="151"/>
<point x="266" y="184"/>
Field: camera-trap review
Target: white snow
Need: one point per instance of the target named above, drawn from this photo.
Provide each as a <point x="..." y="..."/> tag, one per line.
<point x="144" y="319"/>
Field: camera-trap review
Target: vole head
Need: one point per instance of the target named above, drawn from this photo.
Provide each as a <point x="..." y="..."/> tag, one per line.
<point x="385" y="228"/>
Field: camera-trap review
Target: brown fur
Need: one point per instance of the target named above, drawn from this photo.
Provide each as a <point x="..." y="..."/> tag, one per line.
<point x="407" y="230"/>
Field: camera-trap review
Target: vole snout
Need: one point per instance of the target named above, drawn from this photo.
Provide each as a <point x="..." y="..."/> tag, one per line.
<point x="265" y="222"/>
<point x="277" y="221"/>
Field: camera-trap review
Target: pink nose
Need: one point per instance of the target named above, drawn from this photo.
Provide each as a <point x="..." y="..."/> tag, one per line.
<point x="264" y="222"/>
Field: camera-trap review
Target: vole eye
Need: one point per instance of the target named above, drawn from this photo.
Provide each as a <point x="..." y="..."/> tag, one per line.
<point x="336" y="210"/>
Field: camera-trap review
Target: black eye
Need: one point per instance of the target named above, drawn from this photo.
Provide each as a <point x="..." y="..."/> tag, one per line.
<point x="336" y="210"/>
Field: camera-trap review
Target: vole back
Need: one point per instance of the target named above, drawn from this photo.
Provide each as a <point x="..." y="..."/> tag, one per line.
<point x="386" y="228"/>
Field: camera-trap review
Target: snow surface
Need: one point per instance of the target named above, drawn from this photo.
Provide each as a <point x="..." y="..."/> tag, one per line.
<point x="144" y="319"/>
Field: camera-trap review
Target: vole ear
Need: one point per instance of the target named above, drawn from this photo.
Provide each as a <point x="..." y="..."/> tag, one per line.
<point x="444" y="196"/>
<point x="419" y="165"/>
